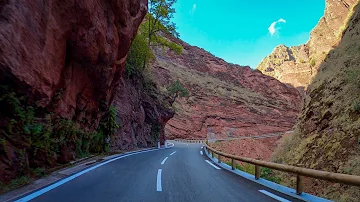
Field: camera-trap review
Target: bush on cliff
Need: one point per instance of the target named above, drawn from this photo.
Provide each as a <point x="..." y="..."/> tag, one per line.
<point x="41" y="140"/>
<point x="176" y="89"/>
<point x="138" y="55"/>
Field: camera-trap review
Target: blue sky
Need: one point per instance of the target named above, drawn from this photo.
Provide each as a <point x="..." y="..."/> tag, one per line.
<point x="239" y="30"/>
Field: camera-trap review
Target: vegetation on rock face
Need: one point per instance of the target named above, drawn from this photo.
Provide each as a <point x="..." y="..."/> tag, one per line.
<point x="312" y="63"/>
<point x="176" y="90"/>
<point x="156" y="23"/>
<point x="45" y="140"/>
<point x="155" y="132"/>
<point x="265" y="173"/>
<point x="159" y="21"/>
<point x="138" y="55"/>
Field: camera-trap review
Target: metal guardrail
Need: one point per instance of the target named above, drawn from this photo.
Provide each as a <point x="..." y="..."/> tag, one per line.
<point x="300" y="172"/>
<point x="191" y="140"/>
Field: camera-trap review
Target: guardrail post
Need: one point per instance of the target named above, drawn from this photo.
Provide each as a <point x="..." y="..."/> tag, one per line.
<point x="219" y="158"/>
<point x="232" y="164"/>
<point x="212" y="154"/>
<point x="257" y="172"/>
<point x="299" y="184"/>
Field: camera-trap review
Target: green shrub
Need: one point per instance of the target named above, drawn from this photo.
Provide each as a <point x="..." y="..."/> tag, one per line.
<point x="107" y="128"/>
<point x="39" y="172"/>
<point x="155" y="132"/>
<point x="171" y="45"/>
<point x="138" y="54"/>
<point x="354" y="77"/>
<point x="265" y="173"/>
<point x="247" y="167"/>
<point x="312" y="62"/>
<point x="268" y="174"/>
<point x="14" y="184"/>
<point x="302" y="61"/>
<point x="175" y="90"/>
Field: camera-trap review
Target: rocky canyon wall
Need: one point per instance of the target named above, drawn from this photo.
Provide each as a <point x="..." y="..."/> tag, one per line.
<point x="226" y="100"/>
<point x="61" y="68"/>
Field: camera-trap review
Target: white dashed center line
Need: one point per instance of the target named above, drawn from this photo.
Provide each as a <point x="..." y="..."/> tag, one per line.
<point x="201" y="152"/>
<point x="172" y="153"/>
<point x="274" y="196"/>
<point x="158" y="181"/>
<point x="207" y="161"/>
<point x="162" y="162"/>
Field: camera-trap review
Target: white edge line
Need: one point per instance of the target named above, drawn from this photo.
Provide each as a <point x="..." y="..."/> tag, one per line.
<point x="172" y="153"/>
<point x="63" y="181"/>
<point x="207" y="161"/>
<point x="158" y="181"/>
<point x="201" y="152"/>
<point x="162" y="162"/>
<point x="274" y="196"/>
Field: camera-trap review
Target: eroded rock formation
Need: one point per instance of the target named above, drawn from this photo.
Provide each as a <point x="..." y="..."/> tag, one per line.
<point x="297" y="65"/>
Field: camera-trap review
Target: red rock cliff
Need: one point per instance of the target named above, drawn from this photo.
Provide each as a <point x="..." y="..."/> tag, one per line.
<point x="226" y="100"/>
<point x="67" y="58"/>
<point x="76" y="47"/>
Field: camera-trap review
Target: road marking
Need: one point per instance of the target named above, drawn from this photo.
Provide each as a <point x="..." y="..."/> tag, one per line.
<point x="162" y="162"/>
<point x="172" y="153"/>
<point x="61" y="182"/>
<point x="201" y="152"/>
<point x="212" y="165"/>
<point x="201" y="147"/>
<point x="187" y="144"/>
<point x="274" y="196"/>
<point x="158" y="181"/>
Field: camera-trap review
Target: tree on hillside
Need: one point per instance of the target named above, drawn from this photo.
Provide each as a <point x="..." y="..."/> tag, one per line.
<point x="139" y="55"/>
<point x="159" y="18"/>
<point x="175" y="90"/>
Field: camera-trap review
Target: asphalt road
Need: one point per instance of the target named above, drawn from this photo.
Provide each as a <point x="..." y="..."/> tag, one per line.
<point x="184" y="176"/>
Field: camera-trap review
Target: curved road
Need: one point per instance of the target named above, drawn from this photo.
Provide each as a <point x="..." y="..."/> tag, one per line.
<point x="180" y="173"/>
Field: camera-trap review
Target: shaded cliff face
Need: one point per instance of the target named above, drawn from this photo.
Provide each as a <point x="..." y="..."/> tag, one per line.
<point x="297" y="65"/>
<point x="142" y="113"/>
<point x="328" y="132"/>
<point x="76" y="48"/>
<point x="225" y="100"/>
<point x="61" y="67"/>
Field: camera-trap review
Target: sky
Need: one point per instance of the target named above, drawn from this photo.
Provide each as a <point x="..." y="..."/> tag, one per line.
<point x="245" y="31"/>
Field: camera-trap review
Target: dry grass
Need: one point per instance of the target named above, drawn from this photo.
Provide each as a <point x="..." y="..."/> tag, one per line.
<point x="352" y="9"/>
<point x="204" y="84"/>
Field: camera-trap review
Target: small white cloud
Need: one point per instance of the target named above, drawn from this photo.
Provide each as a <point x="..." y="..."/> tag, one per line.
<point x="272" y="29"/>
<point x="193" y="9"/>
